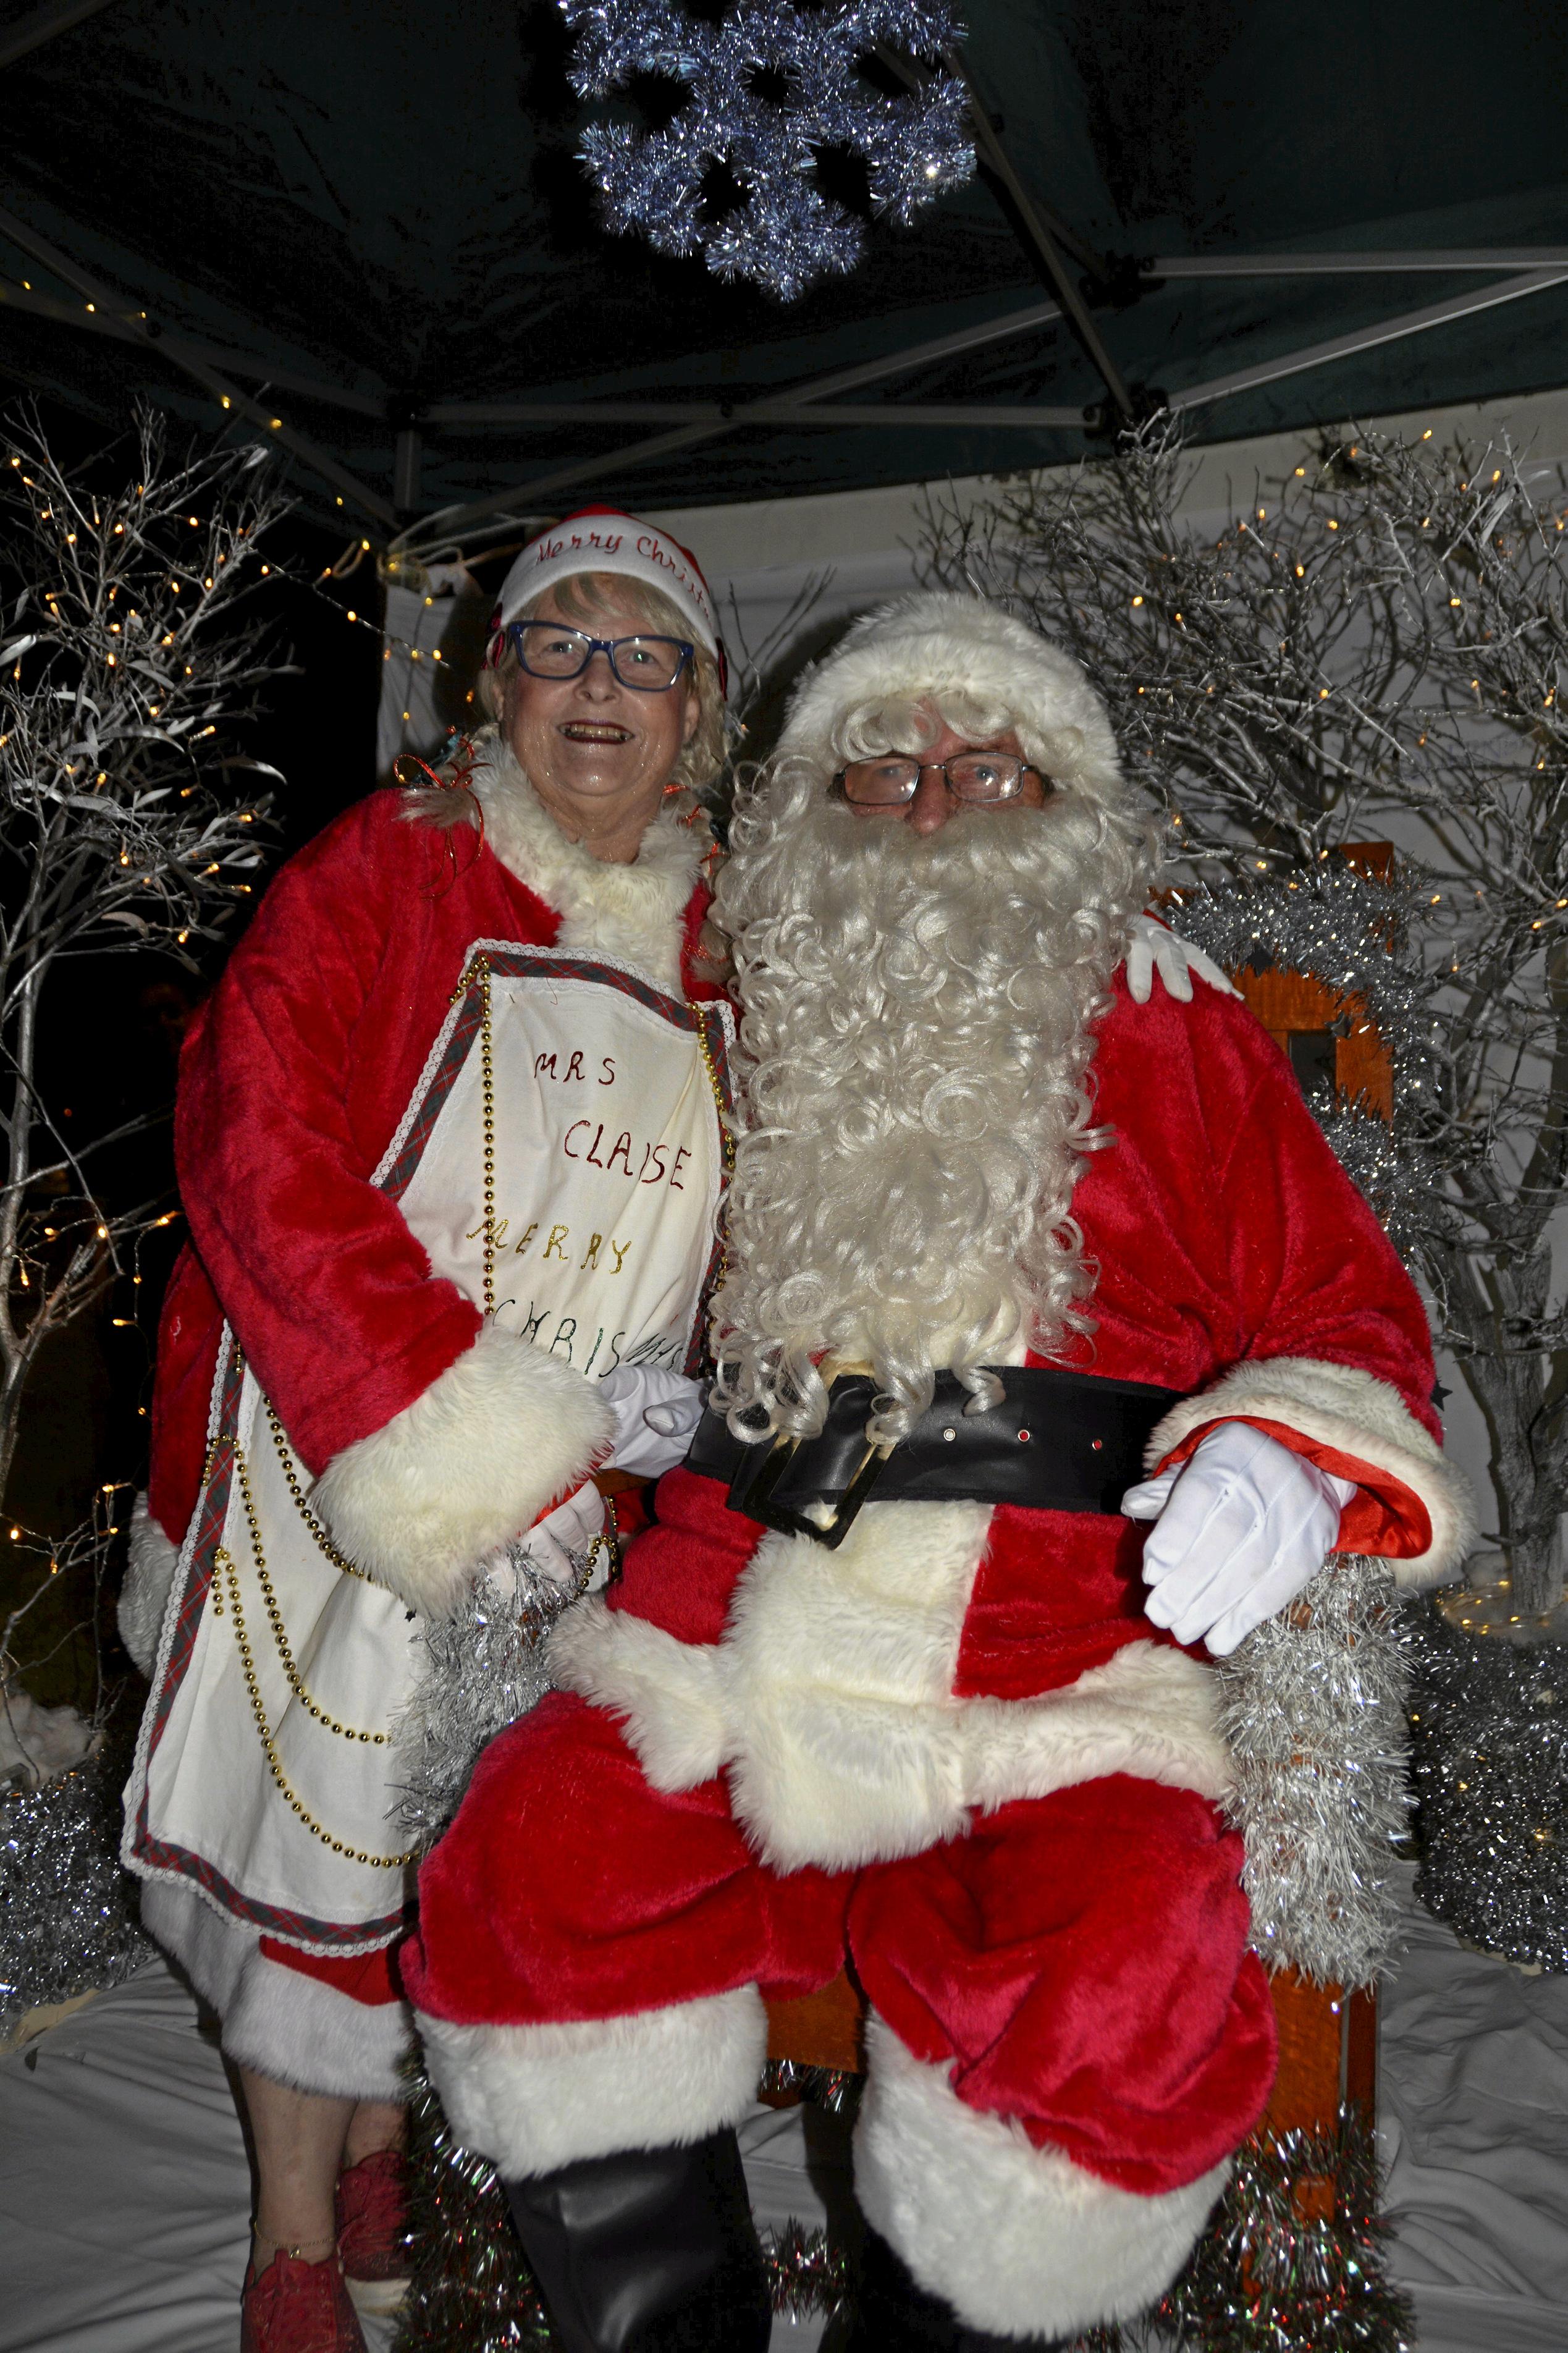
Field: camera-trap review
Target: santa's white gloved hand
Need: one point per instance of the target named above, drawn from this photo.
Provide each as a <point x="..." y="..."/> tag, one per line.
<point x="656" y="1413"/>
<point x="1238" y="1530"/>
<point x="549" y="1545"/>
<point x="1152" y="947"/>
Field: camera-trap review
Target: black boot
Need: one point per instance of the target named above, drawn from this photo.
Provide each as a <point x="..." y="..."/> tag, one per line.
<point x="892" y="2309"/>
<point x="652" y="2250"/>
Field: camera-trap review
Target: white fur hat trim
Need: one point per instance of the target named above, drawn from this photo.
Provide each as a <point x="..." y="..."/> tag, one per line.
<point x="942" y="643"/>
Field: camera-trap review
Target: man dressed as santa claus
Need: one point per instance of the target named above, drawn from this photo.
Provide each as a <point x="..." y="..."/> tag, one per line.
<point x="1016" y="1265"/>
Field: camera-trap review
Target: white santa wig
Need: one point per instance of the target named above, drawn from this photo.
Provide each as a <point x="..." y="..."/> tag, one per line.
<point x="916" y="1035"/>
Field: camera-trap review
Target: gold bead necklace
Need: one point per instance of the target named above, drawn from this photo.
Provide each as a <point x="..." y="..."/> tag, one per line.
<point x="225" y="1566"/>
<point x="487" y="1091"/>
<point x="286" y="1458"/>
<point x="726" y="1140"/>
<point x="275" y="1616"/>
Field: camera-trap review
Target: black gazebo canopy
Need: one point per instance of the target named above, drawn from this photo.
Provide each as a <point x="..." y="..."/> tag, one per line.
<point x="361" y="226"/>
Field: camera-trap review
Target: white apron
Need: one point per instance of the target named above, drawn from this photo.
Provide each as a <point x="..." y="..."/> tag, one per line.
<point x="608" y="1170"/>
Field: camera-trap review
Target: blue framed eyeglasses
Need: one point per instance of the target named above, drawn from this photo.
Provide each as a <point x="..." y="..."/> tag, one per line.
<point x="552" y="650"/>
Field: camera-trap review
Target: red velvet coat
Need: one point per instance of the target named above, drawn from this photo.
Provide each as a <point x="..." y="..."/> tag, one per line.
<point x="1236" y="1264"/>
<point x="293" y="1080"/>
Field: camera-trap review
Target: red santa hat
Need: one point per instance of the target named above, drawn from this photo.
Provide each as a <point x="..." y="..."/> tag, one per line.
<point x="603" y="539"/>
<point x="942" y="643"/>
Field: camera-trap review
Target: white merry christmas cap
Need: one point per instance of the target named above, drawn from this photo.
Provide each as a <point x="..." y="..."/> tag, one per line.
<point x="603" y="539"/>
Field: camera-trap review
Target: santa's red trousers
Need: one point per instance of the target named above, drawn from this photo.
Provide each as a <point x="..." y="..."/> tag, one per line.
<point x="1079" y="1959"/>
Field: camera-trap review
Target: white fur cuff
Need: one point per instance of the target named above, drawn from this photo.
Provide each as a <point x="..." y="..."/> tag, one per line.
<point x="532" y="2098"/>
<point x="1358" y="1414"/>
<point x="1018" y="2239"/>
<point x="419" y="1503"/>
<point x="148" y="1576"/>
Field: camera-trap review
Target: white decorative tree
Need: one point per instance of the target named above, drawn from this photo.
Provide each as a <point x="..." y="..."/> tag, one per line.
<point x="130" y="652"/>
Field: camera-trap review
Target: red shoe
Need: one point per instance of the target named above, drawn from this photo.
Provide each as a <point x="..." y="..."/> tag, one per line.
<point x="373" y="2230"/>
<point x="294" y="2306"/>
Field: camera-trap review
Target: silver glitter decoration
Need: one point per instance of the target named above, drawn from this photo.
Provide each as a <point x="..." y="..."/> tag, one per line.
<point x="808" y="2273"/>
<point x="833" y="2088"/>
<point x="1353" y="933"/>
<point x="483" y="1668"/>
<point x="1314" y="1711"/>
<point x="1268" y="2276"/>
<point x="787" y="232"/>
<point x="67" y="1912"/>
<point x="1490" y="1731"/>
<point x="471" y="2290"/>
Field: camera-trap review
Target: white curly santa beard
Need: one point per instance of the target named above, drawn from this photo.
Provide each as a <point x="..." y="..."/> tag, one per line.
<point x="916" y="1046"/>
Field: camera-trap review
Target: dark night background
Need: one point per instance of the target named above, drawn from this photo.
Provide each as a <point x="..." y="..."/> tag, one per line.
<point x="111" y="1030"/>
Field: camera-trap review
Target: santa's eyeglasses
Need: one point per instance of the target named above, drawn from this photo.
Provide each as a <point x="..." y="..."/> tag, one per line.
<point x="550" y="650"/>
<point x="890" y="782"/>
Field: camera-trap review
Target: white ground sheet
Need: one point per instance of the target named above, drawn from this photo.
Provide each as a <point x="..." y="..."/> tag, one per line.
<point x="123" y="2185"/>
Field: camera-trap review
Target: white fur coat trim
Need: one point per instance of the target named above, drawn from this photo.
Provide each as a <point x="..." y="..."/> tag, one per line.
<point x="1355" y="1413"/>
<point x="419" y="1503"/>
<point x="942" y="643"/>
<point x="830" y="1698"/>
<point x="1018" y="2239"/>
<point x="532" y="2098"/>
<point x="285" y="2025"/>
<point x="636" y="912"/>
<point x="150" y="1569"/>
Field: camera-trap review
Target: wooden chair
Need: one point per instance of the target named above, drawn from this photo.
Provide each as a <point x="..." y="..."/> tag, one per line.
<point x="1328" y="2054"/>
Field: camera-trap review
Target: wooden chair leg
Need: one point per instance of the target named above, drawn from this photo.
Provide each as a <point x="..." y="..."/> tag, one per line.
<point x="1328" y="2064"/>
<point x="825" y="2029"/>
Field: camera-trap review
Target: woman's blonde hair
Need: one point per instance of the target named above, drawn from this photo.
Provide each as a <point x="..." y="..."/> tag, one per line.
<point x="588" y="596"/>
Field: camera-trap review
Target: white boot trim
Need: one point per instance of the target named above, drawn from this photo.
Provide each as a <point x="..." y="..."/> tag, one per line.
<point x="303" y="2032"/>
<point x="284" y="2024"/>
<point x="1017" y="2240"/>
<point x="533" y="2098"/>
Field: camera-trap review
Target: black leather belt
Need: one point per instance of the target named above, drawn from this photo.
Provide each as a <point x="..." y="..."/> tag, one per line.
<point x="1058" y="1441"/>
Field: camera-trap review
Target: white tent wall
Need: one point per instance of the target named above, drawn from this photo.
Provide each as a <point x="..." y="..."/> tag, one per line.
<point x="432" y="642"/>
<point x="759" y="557"/>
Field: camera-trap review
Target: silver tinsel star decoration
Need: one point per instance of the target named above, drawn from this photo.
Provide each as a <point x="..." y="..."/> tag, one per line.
<point x="787" y="232"/>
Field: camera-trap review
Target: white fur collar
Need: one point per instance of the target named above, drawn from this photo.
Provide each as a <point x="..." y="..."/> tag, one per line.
<point x="636" y="912"/>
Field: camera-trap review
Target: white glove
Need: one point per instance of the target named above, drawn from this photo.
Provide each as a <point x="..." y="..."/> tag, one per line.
<point x="656" y="1414"/>
<point x="570" y="1528"/>
<point x="1152" y="947"/>
<point x="1239" y="1529"/>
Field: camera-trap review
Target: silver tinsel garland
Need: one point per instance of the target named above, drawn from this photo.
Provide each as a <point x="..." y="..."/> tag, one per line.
<point x="68" y="1915"/>
<point x="1268" y="2276"/>
<point x="1343" y="928"/>
<point x="787" y="232"/>
<point x="1351" y="932"/>
<point x="1314" y="1709"/>
<point x="1489" y="1728"/>
<point x="482" y="1668"/>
